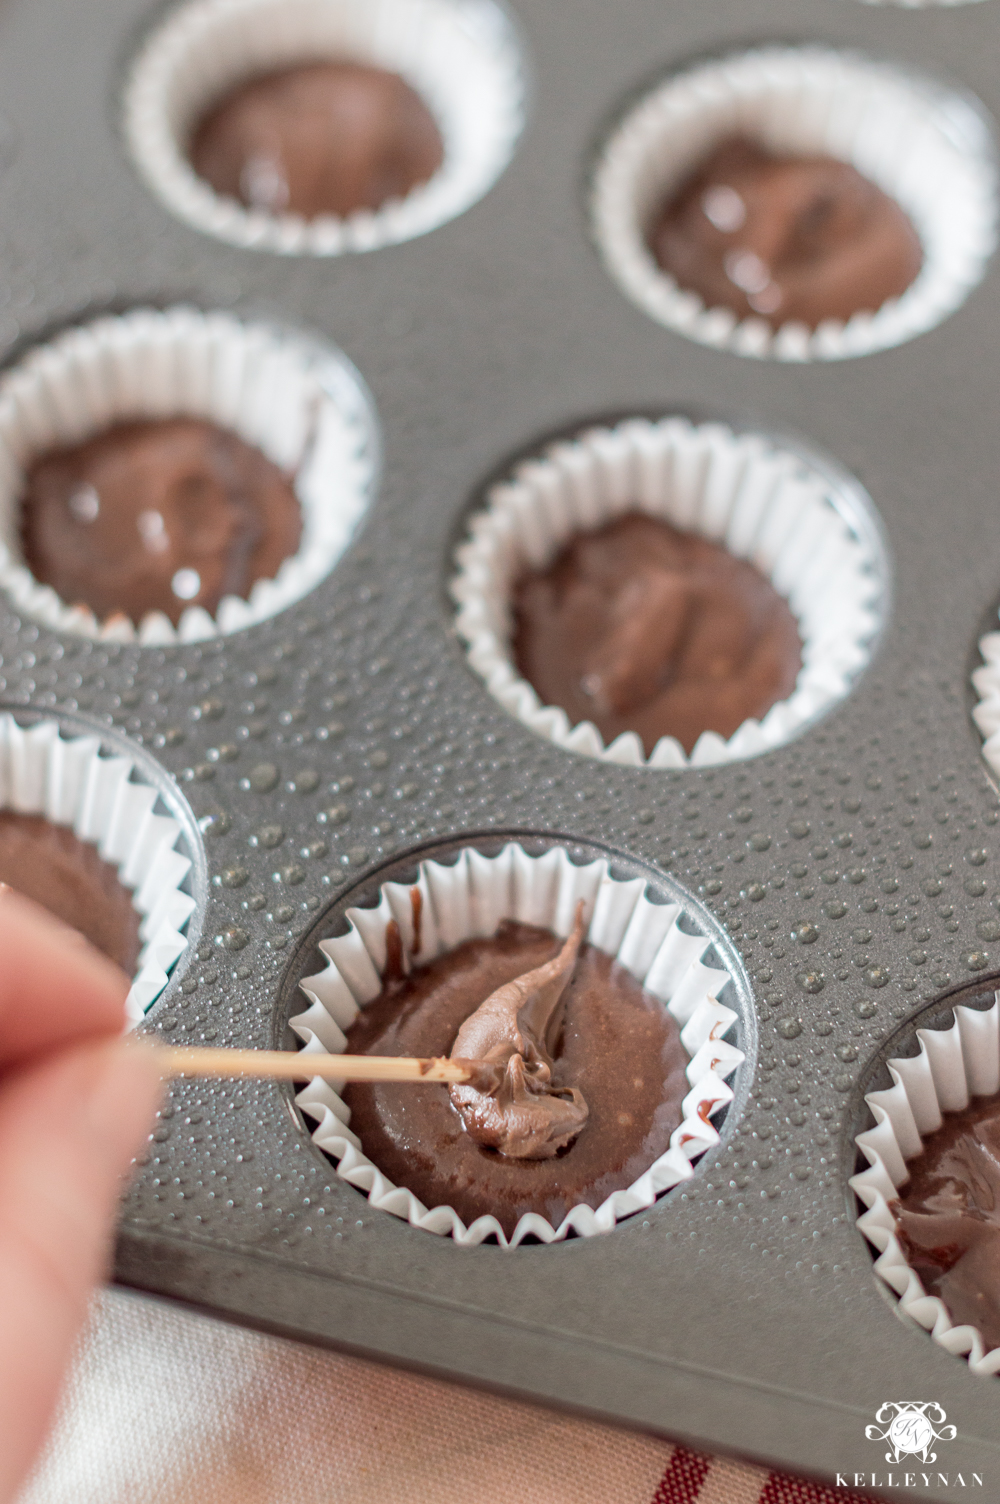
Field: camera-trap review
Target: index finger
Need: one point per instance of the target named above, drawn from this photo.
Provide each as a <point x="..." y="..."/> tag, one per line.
<point x="55" y="988"/>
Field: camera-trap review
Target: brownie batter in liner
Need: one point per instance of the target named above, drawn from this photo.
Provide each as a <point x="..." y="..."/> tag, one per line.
<point x="462" y="60"/>
<point x="643" y="628"/>
<point x="291" y="398"/>
<point x="50" y="865"/>
<point x="924" y="146"/>
<point x="148" y="515"/>
<point x="317" y="138"/>
<point x="763" y="504"/>
<point x="957" y="1069"/>
<point x="57" y="783"/>
<point x="417" y="1138"/>
<point x="790" y="238"/>
<point x="471" y="899"/>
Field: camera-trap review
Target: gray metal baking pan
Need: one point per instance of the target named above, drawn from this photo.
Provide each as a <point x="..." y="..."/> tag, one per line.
<point x="741" y="1313"/>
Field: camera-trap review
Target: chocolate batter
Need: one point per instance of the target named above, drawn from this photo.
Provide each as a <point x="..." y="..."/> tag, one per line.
<point x="948" y="1216"/>
<point x="522" y="1113"/>
<point x="785" y="238"/>
<point x="619" y="1049"/>
<point x="318" y="138"/>
<point x="47" y="863"/>
<point x="640" y="627"/>
<point x="157" y="515"/>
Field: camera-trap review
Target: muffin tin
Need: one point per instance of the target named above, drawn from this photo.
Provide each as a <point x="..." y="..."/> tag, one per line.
<point x="852" y="872"/>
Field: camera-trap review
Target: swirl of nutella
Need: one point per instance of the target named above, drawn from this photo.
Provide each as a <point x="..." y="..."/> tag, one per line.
<point x="948" y="1216"/>
<point x="524" y="1115"/>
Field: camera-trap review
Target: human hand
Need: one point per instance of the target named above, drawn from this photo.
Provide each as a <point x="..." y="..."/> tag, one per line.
<point x="76" y="1103"/>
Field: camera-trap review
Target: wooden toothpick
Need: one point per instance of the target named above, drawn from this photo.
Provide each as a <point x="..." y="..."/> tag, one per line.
<point x="286" y="1065"/>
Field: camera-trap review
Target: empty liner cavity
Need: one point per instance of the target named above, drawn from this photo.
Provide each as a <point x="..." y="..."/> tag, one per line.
<point x="469" y="899"/>
<point x="954" y="1066"/>
<point x="292" y="397"/>
<point x="925" y="146"/>
<point x="810" y="533"/>
<point x="461" y="57"/>
<point x="103" y="797"/>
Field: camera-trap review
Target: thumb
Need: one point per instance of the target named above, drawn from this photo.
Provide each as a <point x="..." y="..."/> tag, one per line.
<point x="69" y="1127"/>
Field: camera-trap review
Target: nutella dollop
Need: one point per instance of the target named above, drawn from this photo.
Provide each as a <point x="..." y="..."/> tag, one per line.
<point x="157" y="515"/>
<point x="640" y="627"/>
<point x="67" y="876"/>
<point x="785" y="238"/>
<point x="526" y="1115"/>
<point x="318" y="138"/>
<point x="616" y="1046"/>
<point x="948" y="1216"/>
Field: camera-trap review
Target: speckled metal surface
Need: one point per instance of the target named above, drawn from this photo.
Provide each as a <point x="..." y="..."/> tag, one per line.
<point x="856" y="870"/>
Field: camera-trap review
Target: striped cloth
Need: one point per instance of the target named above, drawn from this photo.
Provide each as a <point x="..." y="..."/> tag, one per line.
<point x="691" y="1478"/>
<point x="165" y="1407"/>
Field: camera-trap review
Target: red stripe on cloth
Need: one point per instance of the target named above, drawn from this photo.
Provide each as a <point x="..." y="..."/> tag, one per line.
<point x="781" y="1489"/>
<point x="681" y="1483"/>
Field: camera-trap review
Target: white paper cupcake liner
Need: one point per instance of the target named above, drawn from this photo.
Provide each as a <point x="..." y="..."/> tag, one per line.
<point x="461" y="56"/>
<point x="986" y="714"/>
<point x="294" y="398"/>
<point x="928" y="148"/>
<point x="103" y="797"/>
<point x="765" y="504"/>
<point x="470" y="899"/>
<point x="953" y="1066"/>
